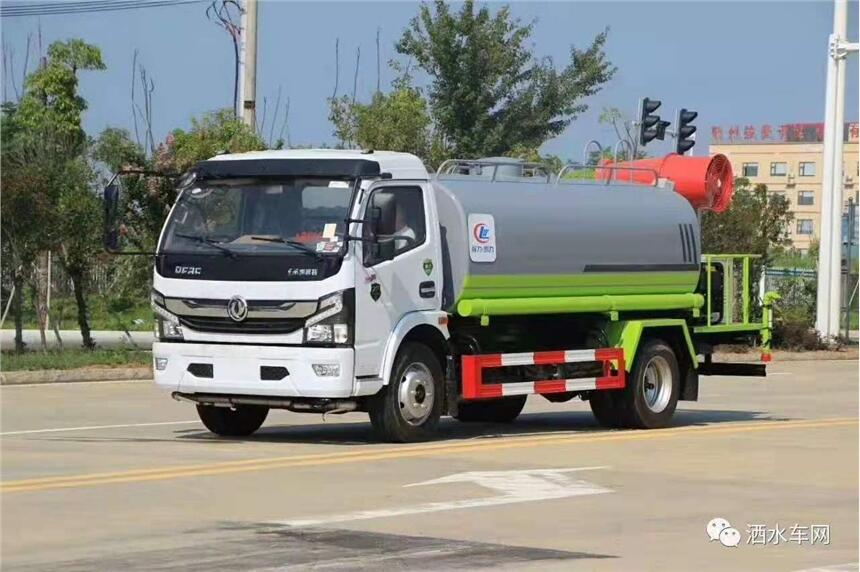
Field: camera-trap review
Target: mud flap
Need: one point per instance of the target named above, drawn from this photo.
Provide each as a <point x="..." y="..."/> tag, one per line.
<point x="733" y="369"/>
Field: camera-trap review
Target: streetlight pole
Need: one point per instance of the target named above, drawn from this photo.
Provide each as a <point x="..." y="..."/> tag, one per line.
<point x="830" y="237"/>
<point x="249" y="79"/>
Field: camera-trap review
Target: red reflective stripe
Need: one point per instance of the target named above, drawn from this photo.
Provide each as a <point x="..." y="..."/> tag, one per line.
<point x="603" y="354"/>
<point x="551" y="386"/>
<point x="470" y="369"/>
<point x="613" y="382"/>
<point x="490" y="360"/>
<point x="491" y="390"/>
<point x="549" y="357"/>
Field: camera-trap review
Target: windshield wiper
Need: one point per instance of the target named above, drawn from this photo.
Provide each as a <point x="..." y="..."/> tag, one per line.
<point x="210" y="241"/>
<point x="301" y="246"/>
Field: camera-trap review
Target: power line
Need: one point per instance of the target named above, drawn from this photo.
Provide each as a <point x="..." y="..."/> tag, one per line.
<point x="83" y="7"/>
<point x="59" y="8"/>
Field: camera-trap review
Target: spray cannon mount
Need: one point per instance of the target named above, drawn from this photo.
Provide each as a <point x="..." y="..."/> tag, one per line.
<point x="706" y="182"/>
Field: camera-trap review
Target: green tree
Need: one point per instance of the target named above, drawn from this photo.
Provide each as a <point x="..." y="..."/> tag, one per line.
<point x="756" y="222"/>
<point x="47" y="176"/>
<point x="27" y="211"/>
<point x="51" y="99"/>
<point x="79" y="226"/>
<point x="213" y="133"/>
<point x="396" y="121"/>
<point x="552" y="163"/>
<point x="488" y="93"/>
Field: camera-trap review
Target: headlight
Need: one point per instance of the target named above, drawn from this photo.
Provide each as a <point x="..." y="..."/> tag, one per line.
<point x="329" y="306"/>
<point x="332" y="324"/>
<point x="166" y="324"/>
<point x="156" y="298"/>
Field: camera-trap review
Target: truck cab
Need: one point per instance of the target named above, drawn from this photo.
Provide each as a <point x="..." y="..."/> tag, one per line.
<point x="267" y="263"/>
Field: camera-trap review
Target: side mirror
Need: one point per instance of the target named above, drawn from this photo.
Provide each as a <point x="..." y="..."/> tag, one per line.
<point x="118" y="200"/>
<point x="383" y="214"/>
<point x="379" y="223"/>
<point x="111" y="217"/>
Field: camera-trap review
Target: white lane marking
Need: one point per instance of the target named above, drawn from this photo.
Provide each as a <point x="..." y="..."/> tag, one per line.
<point x="94" y="427"/>
<point x="850" y="567"/>
<point x="515" y="486"/>
<point x="71" y="384"/>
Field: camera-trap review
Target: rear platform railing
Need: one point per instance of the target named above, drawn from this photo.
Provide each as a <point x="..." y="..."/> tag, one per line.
<point x="732" y="317"/>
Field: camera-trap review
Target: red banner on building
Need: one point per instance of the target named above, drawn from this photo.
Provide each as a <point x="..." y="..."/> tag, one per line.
<point x="786" y="133"/>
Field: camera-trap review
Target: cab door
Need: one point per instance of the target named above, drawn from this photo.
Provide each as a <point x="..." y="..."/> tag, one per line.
<point x="398" y="274"/>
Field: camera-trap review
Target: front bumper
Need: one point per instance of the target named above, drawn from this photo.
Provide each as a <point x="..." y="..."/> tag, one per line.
<point x="236" y="369"/>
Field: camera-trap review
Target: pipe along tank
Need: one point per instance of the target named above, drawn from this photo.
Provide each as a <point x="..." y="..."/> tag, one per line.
<point x="512" y="245"/>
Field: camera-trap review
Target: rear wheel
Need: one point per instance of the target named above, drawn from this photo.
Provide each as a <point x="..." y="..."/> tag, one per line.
<point x="652" y="391"/>
<point x="409" y="407"/>
<point x="650" y="395"/>
<point x="239" y="422"/>
<point x="502" y="410"/>
<point x="606" y="407"/>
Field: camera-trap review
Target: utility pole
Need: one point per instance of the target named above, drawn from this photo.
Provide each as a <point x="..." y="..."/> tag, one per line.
<point x="249" y="79"/>
<point x="828" y="302"/>
<point x="243" y="25"/>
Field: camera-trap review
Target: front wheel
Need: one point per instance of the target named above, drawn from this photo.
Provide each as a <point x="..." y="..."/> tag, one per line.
<point x="409" y="407"/>
<point x="239" y="422"/>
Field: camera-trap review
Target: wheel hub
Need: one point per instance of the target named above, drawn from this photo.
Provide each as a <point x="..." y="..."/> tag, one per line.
<point x="415" y="394"/>
<point x="657" y="385"/>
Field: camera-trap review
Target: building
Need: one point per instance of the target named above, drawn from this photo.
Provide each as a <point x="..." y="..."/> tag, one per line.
<point x="788" y="159"/>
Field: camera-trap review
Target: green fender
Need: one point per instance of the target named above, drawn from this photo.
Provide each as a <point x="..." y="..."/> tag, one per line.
<point x="626" y="334"/>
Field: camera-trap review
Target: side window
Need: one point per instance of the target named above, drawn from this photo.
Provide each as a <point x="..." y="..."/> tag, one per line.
<point x="399" y="224"/>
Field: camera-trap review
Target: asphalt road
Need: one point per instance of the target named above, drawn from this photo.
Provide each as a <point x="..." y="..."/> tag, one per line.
<point x="117" y="476"/>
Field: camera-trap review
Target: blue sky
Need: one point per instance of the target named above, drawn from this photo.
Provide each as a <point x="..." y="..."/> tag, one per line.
<point x="737" y="63"/>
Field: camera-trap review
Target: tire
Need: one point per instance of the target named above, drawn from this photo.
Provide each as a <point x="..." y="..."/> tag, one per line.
<point x="651" y="394"/>
<point x="606" y="407"/>
<point x="408" y="408"/>
<point x="239" y="422"/>
<point x="502" y="410"/>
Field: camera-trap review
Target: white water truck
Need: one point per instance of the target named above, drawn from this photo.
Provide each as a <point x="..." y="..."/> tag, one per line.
<point x="334" y="281"/>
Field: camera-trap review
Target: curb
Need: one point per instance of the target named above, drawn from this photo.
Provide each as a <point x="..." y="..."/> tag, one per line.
<point x="785" y="356"/>
<point x="73" y="375"/>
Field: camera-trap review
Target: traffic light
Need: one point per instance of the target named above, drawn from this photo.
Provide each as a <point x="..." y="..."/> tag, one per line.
<point x="685" y="131"/>
<point x="661" y="129"/>
<point x="650" y="125"/>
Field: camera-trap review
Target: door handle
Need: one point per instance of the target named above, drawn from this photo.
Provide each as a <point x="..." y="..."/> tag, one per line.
<point x="427" y="289"/>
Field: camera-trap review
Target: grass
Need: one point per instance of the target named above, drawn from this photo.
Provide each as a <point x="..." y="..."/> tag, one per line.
<point x="70" y="359"/>
<point x="102" y="316"/>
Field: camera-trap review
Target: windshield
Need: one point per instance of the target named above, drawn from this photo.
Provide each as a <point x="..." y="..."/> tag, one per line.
<point x="251" y="216"/>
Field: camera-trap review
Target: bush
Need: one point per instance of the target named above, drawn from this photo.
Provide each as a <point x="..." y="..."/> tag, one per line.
<point x="793" y="329"/>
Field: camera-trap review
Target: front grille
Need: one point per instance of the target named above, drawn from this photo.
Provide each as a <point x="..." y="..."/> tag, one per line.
<point x="248" y="326"/>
